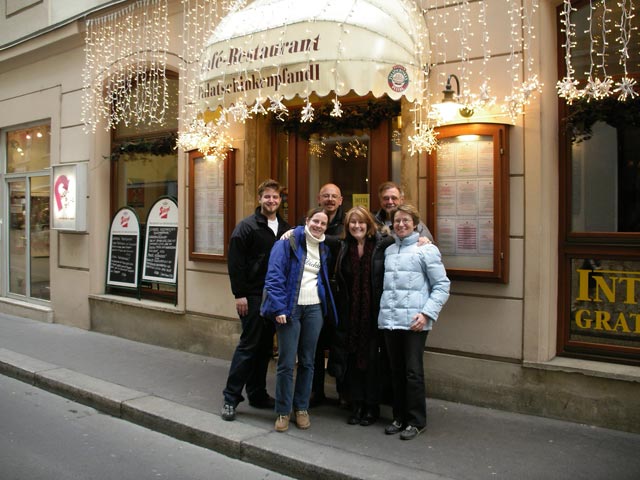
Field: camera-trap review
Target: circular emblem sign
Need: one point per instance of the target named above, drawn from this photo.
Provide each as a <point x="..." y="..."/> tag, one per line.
<point x="398" y="78"/>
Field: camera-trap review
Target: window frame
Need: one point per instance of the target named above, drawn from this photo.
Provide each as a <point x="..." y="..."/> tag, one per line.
<point x="571" y="245"/>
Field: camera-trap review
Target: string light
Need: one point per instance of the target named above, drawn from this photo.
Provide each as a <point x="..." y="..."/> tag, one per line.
<point x="124" y="75"/>
<point x="625" y="87"/>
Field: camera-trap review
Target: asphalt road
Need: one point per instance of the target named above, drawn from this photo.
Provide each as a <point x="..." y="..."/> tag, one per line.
<point x="47" y="437"/>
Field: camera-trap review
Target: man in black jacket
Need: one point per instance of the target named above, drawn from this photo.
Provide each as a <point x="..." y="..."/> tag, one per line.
<point x="248" y="258"/>
<point x="330" y="199"/>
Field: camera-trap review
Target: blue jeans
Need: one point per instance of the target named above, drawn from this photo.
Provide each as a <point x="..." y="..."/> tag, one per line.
<point x="298" y="336"/>
<point x="251" y="358"/>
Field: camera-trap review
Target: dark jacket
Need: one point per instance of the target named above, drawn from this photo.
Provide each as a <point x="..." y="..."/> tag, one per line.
<point x="249" y="249"/>
<point x="282" y="283"/>
<point x="381" y="219"/>
<point x="342" y="293"/>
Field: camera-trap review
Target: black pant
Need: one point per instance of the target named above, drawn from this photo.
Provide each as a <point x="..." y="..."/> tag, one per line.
<point x="405" y="349"/>
<point x="364" y="383"/>
<point x="324" y="343"/>
<point x="250" y="361"/>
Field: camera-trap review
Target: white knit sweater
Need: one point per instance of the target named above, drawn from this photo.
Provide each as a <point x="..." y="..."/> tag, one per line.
<point x="309" y="284"/>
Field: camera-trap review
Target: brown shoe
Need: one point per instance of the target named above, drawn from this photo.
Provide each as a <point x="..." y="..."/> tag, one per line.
<point x="282" y="423"/>
<point x="302" y="419"/>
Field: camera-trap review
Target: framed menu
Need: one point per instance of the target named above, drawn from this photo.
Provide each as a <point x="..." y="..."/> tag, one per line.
<point x="468" y="200"/>
<point x="211" y="206"/>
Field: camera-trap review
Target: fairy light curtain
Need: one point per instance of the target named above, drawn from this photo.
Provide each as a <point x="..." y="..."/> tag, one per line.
<point x="124" y="76"/>
<point x="606" y="38"/>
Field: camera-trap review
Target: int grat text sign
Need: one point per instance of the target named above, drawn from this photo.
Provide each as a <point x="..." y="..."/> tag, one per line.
<point x="604" y="302"/>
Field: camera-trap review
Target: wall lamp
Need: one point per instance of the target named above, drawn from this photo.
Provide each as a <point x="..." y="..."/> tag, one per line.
<point x="449" y="106"/>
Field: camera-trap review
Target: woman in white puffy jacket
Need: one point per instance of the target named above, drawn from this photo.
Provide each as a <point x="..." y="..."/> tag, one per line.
<point x="416" y="288"/>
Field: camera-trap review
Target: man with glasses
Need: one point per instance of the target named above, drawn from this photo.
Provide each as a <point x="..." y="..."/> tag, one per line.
<point x="330" y="199"/>
<point x="391" y="197"/>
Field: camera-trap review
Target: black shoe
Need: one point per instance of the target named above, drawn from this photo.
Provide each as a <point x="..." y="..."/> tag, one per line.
<point x="356" y="417"/>
<point x="316" y="399"/>
<point x="369" y="418"/>
<point x="228" y="412"/>
<point x="393" y="428"/>
<point x="410" y="432"/>
<point x="265" y="402"/>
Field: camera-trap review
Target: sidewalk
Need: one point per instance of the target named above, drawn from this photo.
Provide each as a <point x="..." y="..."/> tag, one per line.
<point x="179" y="394"/>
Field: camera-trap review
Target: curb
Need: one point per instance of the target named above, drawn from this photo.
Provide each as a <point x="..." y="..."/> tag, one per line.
<point x="284" y="454"/>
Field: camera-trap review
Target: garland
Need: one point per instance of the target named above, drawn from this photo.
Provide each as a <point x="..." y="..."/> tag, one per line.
<point x="354" y="117"/>
<point x="164" y="145"/>
<point x="584" y="114"/>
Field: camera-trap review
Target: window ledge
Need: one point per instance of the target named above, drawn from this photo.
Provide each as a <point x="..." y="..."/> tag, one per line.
<point x="23" y="308"/>
<point x="134" y="302"/>
<point x="613" y="371"/>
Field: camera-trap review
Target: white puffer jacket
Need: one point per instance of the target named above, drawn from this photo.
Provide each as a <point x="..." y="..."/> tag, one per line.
<point x="414" y="281"/>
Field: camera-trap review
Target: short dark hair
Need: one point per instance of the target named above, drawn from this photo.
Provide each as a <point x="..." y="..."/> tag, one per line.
<point x="409" y="210"/>
<point x="387" y="185"/>
<point x="269" y="183"/>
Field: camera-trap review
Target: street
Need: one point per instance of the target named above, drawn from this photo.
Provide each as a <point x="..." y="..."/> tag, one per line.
<point x="44" y="436"/>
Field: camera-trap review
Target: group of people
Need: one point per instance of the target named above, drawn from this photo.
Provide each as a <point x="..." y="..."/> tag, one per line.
<point x="367" y="287"/>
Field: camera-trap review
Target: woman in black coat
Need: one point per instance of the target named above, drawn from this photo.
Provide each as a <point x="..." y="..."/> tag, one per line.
<point x="358" y="286"/>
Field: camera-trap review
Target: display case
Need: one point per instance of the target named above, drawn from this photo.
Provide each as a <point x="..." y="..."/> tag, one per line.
<point x="468" y="200"/>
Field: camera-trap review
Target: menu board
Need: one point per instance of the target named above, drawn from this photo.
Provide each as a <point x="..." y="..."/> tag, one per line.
<point x="208" y="206"/>
<point x="161" y="243"/>
<point x="124" y="249"/>
<point x="465" y="201"/>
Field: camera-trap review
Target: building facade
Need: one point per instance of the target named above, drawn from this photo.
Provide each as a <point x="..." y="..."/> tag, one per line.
<point x="536" y="214"/>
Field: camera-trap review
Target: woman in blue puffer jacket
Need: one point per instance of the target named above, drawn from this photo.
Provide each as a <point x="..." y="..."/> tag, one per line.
<point x="416" y="288"/>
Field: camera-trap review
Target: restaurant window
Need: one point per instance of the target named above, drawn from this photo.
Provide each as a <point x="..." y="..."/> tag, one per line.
<point x="599" y="274"/>
<point x="27" y="191"/>
<point x="144" y="167"/>
<point x="356" y="152"/>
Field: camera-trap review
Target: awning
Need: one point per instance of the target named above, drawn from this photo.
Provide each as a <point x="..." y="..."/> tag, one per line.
<point x="284" y="48"/>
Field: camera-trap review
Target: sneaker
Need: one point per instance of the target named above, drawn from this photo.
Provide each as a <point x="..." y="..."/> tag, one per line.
<point x="410" y="432"/>
<point x="228" y="412"/>
<point x="393" y="428"/>
<point x="302" y="419"/>
<point x="282" y="423"/>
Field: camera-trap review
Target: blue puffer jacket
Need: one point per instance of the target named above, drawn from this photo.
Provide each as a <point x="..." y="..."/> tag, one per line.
<point x="282" y="284"/>
<point x="415" y="281"/>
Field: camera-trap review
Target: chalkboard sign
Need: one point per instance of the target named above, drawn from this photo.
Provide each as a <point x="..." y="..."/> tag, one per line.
<point x="124" y="249"/>
<point x="161" y="243"/>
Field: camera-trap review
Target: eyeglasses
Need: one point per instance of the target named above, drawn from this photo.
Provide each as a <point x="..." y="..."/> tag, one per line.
<point x="405" y="221"/>
<point x="326" y="196"/>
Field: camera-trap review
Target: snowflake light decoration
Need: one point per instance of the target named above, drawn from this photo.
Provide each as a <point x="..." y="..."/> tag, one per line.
<point x="306" y="115"/>
<point x="425" y="139"/>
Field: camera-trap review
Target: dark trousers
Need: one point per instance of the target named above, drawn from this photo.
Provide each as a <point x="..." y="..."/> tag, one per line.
<point x="324" y="343"/>
<point x="364" y="383"/>
<point x="405" y="349"/>
<point x="250" y="361"/>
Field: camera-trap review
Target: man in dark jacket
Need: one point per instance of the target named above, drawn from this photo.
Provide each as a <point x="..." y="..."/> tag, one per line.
<point x="248" y="258"/>
<point x="330" y="199"/>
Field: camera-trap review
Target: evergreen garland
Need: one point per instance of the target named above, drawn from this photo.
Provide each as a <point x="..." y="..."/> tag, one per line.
<point x="164" y="145"/>
<point x="354" y="117"/>
<point x="583" y="115"/>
